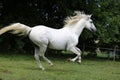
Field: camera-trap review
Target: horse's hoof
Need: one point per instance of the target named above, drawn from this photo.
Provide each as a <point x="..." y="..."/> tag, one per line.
<point x="68" y="59"/>
<point x="43" y="69"/>
<point x="52" y="65"/>
<point x="79" y="62"/>
<point x="71" y="60"/>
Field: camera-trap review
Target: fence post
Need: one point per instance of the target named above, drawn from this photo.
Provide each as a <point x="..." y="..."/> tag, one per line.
<point x="114" y="52"/>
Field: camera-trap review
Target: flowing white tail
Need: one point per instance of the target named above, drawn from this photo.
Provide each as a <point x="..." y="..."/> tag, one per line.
<point x="16" y="28"/>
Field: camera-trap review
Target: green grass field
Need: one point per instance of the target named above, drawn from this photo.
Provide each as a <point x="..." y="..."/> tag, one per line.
<point x="24" y="67"/>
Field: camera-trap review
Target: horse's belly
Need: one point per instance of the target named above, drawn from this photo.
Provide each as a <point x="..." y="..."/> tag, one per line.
<point x="58" y="45"/>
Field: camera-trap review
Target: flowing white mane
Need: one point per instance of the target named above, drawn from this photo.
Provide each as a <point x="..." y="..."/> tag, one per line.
<point x="73" y="19"/>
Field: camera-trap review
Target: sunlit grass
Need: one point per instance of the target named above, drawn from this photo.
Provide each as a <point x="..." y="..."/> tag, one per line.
<point x="24" y="67"/>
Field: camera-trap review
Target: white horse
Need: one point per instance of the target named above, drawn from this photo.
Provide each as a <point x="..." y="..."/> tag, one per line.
<point x="65" y="38"/>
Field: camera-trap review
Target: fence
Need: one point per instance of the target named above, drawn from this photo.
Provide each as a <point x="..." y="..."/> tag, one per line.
<point x="110" y="51"/>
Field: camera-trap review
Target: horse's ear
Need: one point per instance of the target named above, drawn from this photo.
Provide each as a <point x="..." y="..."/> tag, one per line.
<point x="90" y="15"/>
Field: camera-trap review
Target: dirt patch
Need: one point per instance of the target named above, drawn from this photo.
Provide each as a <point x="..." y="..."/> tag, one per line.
<point x="5" y="71"/>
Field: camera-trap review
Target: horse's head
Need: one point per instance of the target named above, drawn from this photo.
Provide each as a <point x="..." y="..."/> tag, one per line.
<point x="89" y="23"/>
<point x="80" y="19"/>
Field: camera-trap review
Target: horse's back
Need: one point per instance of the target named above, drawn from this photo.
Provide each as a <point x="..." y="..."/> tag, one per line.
<point x="41" y="32"/>
<point x="55" y="37"/>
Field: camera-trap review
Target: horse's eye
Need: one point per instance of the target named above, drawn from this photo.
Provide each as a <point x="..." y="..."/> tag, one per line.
<point x="91" y="21"/>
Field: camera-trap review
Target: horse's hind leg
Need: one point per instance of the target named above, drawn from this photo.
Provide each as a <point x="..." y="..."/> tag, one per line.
<point x="42" y="53"/>
<point x="37" y="51"/>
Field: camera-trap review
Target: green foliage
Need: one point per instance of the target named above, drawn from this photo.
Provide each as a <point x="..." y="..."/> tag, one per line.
<point x="52" y="13"/>
<point x="108" y="21"/>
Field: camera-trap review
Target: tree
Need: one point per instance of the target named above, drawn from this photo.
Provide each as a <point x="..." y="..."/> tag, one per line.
<point x="108" y="22"/>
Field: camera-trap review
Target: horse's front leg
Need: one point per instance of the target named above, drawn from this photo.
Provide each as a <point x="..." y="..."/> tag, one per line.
<point x="76" y="51"/>
<point x="79" y="57"/>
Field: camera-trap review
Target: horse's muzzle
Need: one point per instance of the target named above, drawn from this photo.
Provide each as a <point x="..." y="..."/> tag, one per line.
<point x="93" y="29"/>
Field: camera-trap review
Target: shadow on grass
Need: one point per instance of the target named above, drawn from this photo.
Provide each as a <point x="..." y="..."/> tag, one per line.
<point x="53" y="70"/>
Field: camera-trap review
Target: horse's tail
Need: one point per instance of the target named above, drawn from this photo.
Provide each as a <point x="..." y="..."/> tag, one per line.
<point x="16" y="28"/>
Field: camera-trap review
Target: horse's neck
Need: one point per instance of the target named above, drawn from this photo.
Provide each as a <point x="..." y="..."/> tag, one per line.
<point x="77" y="28"/>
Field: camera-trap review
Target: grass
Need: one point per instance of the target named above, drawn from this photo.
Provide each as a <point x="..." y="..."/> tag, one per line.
<point x="24" y="67"/>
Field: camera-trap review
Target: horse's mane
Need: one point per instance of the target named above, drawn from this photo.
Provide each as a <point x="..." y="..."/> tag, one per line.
<point x="73" y="19"/>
